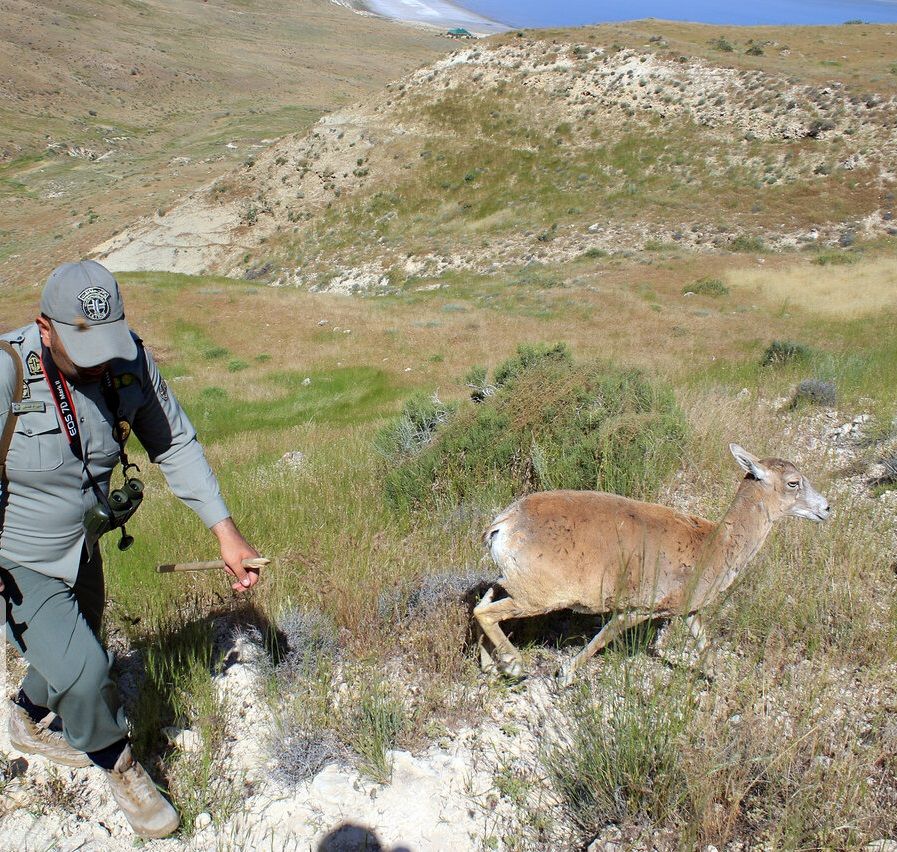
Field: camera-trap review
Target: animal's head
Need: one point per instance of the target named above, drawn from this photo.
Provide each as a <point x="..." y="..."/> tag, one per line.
<point x="787" y="490"/>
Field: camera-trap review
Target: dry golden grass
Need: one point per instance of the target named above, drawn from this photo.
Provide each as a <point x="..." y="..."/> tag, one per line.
<point x="836" y="292"/>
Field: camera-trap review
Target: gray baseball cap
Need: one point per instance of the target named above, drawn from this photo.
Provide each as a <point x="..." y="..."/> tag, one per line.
<point x="85" y="305"/>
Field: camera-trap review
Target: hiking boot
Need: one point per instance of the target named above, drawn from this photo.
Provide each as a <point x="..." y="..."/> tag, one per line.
<point x="142" y="804"/>
<point x="31" y="737"/>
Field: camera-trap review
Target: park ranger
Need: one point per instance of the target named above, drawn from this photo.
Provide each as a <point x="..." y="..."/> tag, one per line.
<point x="86" y="382"/>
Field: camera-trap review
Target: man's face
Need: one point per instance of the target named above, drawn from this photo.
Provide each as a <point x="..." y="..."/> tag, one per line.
<point x="75" y="374"/>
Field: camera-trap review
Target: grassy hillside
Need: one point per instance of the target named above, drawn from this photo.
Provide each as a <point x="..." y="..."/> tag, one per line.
<point x="109" y="110"/>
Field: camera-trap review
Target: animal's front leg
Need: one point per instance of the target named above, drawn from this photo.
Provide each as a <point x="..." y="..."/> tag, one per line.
<point x="618" y="623"/>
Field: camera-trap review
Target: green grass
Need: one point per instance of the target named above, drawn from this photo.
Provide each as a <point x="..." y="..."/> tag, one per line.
<point x="339" y="397"/>
<point x="500" y="171"/>
<point x="858" y="356"/>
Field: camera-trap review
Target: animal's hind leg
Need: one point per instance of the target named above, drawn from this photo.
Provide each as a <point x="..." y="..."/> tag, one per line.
<point x="618" y="624"/>
<point x="488" y="614"/>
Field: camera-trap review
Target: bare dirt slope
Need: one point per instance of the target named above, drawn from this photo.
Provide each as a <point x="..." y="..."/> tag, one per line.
<point x="519" y="149"/>
<point x="109" y="110"/>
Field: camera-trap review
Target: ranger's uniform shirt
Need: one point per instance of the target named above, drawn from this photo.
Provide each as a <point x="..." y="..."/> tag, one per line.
<point x="47" y="492"/>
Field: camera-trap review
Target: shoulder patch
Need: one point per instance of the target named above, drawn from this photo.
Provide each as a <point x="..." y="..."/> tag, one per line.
<point x="32" y="361"/>
<point x="163" y="389"/>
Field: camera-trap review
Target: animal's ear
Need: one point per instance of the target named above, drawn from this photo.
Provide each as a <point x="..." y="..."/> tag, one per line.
<point x="749" y="462"/>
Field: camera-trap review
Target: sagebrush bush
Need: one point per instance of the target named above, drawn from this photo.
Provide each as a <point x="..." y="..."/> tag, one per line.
<point x="707" y="287"/>
<point x="300" y="642"/>
<point x="415" y="428"/>
<point x="547" y="423"/>
<point x="784" y="352"/>
<point x="815" y="392"/>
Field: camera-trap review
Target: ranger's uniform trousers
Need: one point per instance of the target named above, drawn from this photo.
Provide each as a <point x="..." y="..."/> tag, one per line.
<point x="56" y="628"/>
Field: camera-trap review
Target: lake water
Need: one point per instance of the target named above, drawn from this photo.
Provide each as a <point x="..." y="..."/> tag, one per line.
<point x="567" y="13"/>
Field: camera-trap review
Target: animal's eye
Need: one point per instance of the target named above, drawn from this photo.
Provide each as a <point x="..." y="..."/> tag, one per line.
<point x="793" y="483"/>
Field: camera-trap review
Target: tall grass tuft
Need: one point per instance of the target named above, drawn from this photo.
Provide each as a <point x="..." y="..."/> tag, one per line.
<point x="374" y="725"/>
<point x="619" y="754"/>
<point x="177" y="651"/>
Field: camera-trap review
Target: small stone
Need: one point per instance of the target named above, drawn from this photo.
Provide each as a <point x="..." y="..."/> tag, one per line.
<point x="306" y="382"/>
<point x="183" y="739"/>
<point x="203" y="820"/>
<point x="292" y="460"/>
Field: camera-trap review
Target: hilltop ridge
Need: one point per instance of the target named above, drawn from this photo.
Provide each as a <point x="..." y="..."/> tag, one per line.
<point x="523" y="148"/>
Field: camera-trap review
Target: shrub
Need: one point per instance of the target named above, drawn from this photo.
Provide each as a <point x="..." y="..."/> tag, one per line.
<point x="815" y="392"/>
<point x="746" y="243"/>
<point x="415" y="428"/>
<point x="835" y="259"/>
<point x="784" y="352"/>
<point x="548" y="423"/>
<point x="298" y="755"/>
<point x="431" y="591"/>
<point x="299" y="642"/>
<point x="707" y="287"/>
<point x="593" y="253"/>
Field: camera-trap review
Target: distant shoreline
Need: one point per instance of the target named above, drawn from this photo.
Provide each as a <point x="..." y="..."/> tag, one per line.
<point x="433" y="14"/>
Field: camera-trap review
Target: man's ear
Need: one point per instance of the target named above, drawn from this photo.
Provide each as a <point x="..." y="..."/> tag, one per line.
<point x="749" y="462"/>
<point x="45" y="329"/>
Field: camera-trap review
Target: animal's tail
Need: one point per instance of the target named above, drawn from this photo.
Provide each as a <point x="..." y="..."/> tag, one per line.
<point x="491" y="534"/>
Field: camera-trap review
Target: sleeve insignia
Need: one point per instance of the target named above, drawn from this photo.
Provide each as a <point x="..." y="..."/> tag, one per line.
<point x="163" y="389"/>
<point x="32" y="361"/>
<point x="26" y="390"/>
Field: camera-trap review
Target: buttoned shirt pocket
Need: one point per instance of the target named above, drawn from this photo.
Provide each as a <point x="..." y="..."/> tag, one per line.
<point x="38" y="442"/>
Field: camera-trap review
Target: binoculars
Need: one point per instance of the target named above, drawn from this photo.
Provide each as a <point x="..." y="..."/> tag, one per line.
<point x="120" y="505"/>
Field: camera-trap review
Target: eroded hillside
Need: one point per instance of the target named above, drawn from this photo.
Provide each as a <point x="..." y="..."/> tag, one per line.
<point x="506" y="152"/>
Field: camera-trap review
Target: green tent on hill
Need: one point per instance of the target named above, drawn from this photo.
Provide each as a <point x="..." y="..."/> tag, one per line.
<point x="460" y="32"/>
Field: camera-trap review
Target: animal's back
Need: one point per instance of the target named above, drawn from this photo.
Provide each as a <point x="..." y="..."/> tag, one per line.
<point x="595" y="552"/>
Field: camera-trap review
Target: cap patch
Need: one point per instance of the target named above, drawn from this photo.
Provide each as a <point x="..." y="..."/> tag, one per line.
<point x="95" y="303"/>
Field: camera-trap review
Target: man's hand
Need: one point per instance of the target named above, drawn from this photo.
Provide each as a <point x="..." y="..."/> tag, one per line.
<point x="234" y="549"/>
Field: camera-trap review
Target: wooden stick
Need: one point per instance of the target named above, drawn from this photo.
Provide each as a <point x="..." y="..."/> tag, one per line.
<point x="170" y="567"/>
